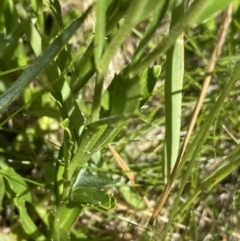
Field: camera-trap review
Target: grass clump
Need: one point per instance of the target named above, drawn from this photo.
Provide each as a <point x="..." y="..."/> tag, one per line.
<point x="119" y="120"/>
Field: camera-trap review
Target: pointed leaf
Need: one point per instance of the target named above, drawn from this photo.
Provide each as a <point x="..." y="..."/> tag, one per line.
<point x="87" y="180"/>
<point x="99" y="38"/>
<point x="126" y="95"/>
<point x="39" y="64"/>
<point x="69" y="215"/>
<point x="93" y="197"/>
<point x="16" y="183"/>
<point x="27" y="223"/>
<point x="209" y="8"/>
<point x="2" y="191"/>
<point x="6" y="237"/>
<point x="134" y="14"/>
<point x="35" y="39"/>
<point x="60" y="235"/>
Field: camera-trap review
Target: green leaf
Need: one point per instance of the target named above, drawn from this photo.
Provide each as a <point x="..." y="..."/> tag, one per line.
<point x="19" y="186"/>
<point x="173" y="98"/>
<point x="57" y="11"/>
<point x="195" y="147"/>
<point x="39" y="64"/>
<point x="135" y="14"/>
<point x="65" y="155"/>
<point x="78" y="235"/>
<point x="92" y="140"/>
<point x="2" y="191"/>
<point x="229" y="164"/>
<point x="69" y="215"/>
<point x="8" y="46"/>
<point x="13" y="70"/>
<point x="208" y="8"/>
<point x="154" y="23"/>
<point x="127" y="95"/>
<point x="67" y="142"/>
<point x="99" y="38"/>
<point x="93" y="197"/>
<point x="6" y="237"/>
<point x="27" y="223"/>
<point x="62" y="92"/>
<point x="150" y="6"/>
<point x="34" y="37"/>
<point x="16" y="183"/>
<point x="60" y="235"/>
<point x="86" y="180"/>
<point x="198" y="11"/>
<point x="132" y="197"/>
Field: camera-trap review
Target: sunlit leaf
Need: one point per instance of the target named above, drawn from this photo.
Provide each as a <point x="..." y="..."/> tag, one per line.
<point x="27" y="223"/>
<point x="2" y="191"/>
<point x="16" y="183"/>
<point x="127" y="95"/>
<point x="6" y="237"/>
<point x="59" y="235"/>
<point x="39" y="64"/>
<point x="93" y="197"/>
<point x="86" y="180"/>
<point x="209" y="8"/>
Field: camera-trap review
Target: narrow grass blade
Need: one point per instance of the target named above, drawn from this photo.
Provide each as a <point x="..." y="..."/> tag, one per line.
<point x="151" y="28"/>
<point x="27" y="223"/>
<point x="173" y="98"/>
<point x="59" y="235"/>
<point x="135" y="14"/>
<point x="32" y="33"/>
<point x="199" y="10"/>
<point x="39" y="64"/>
<point x="22" y="194"/>
<point x="69" y="215"/>
<point x="230" y="163"/>
<point x="100" y="31"/>
<point x="57" y="11"/>
<point x="13" y="70"/>
<point x="13" y="38"/>
<point x="99" y="43"/>
<point x="96" y="106"/>
<point x="91" y="142"/>
<point x="85" y="67"/>
<point x="2" y="192"/>
<point x="209" y="8"/>
<point x="195" y="147"/>
<point x="209" y="73"/>
<point x="62" y="91"/>
<point x="130" y="174"/>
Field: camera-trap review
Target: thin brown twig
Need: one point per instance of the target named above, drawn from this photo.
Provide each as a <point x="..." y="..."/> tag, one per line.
<point x="130" y="175"/>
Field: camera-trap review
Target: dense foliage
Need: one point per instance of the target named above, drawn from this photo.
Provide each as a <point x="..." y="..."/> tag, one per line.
<point x="119" y="121"/>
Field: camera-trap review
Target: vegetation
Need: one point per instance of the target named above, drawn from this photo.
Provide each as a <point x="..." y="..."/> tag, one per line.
<point x="119" y="121"/>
